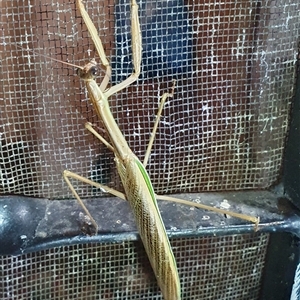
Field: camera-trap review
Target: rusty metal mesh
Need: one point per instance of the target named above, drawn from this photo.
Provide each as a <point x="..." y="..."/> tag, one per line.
<point x="227" y="267"/>
<point x="224" y="129"/>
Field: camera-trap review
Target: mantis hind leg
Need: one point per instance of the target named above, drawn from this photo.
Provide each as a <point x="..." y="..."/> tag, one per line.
<point x="71" y="175"/>
<point x="68" y="174"/>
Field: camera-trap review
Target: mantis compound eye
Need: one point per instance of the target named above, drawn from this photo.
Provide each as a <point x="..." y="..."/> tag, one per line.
<point x="88" y="72"/>
<point x="93" y="71"/>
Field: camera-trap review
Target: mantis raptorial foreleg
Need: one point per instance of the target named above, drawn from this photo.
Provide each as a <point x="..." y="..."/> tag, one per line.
<point x="135" y="179"/>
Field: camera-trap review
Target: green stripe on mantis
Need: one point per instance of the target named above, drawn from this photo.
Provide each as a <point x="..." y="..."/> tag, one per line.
<point x="147" y="180"/>
<point x="151" y="190"/>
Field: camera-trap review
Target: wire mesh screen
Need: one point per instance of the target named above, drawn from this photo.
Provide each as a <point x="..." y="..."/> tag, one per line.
<point x="224" y="129"/>
<point x="227" y="267"/>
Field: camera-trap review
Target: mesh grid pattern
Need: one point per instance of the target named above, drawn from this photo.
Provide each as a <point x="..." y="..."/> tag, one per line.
<point x="227" y="267"/>
<point x="234" y="63"/>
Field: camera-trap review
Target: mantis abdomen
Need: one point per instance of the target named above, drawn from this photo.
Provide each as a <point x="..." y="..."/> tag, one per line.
<point x="140" y="194"/>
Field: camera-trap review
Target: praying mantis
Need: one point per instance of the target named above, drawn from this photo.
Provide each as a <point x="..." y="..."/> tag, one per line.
<point x="134" y="177"/>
